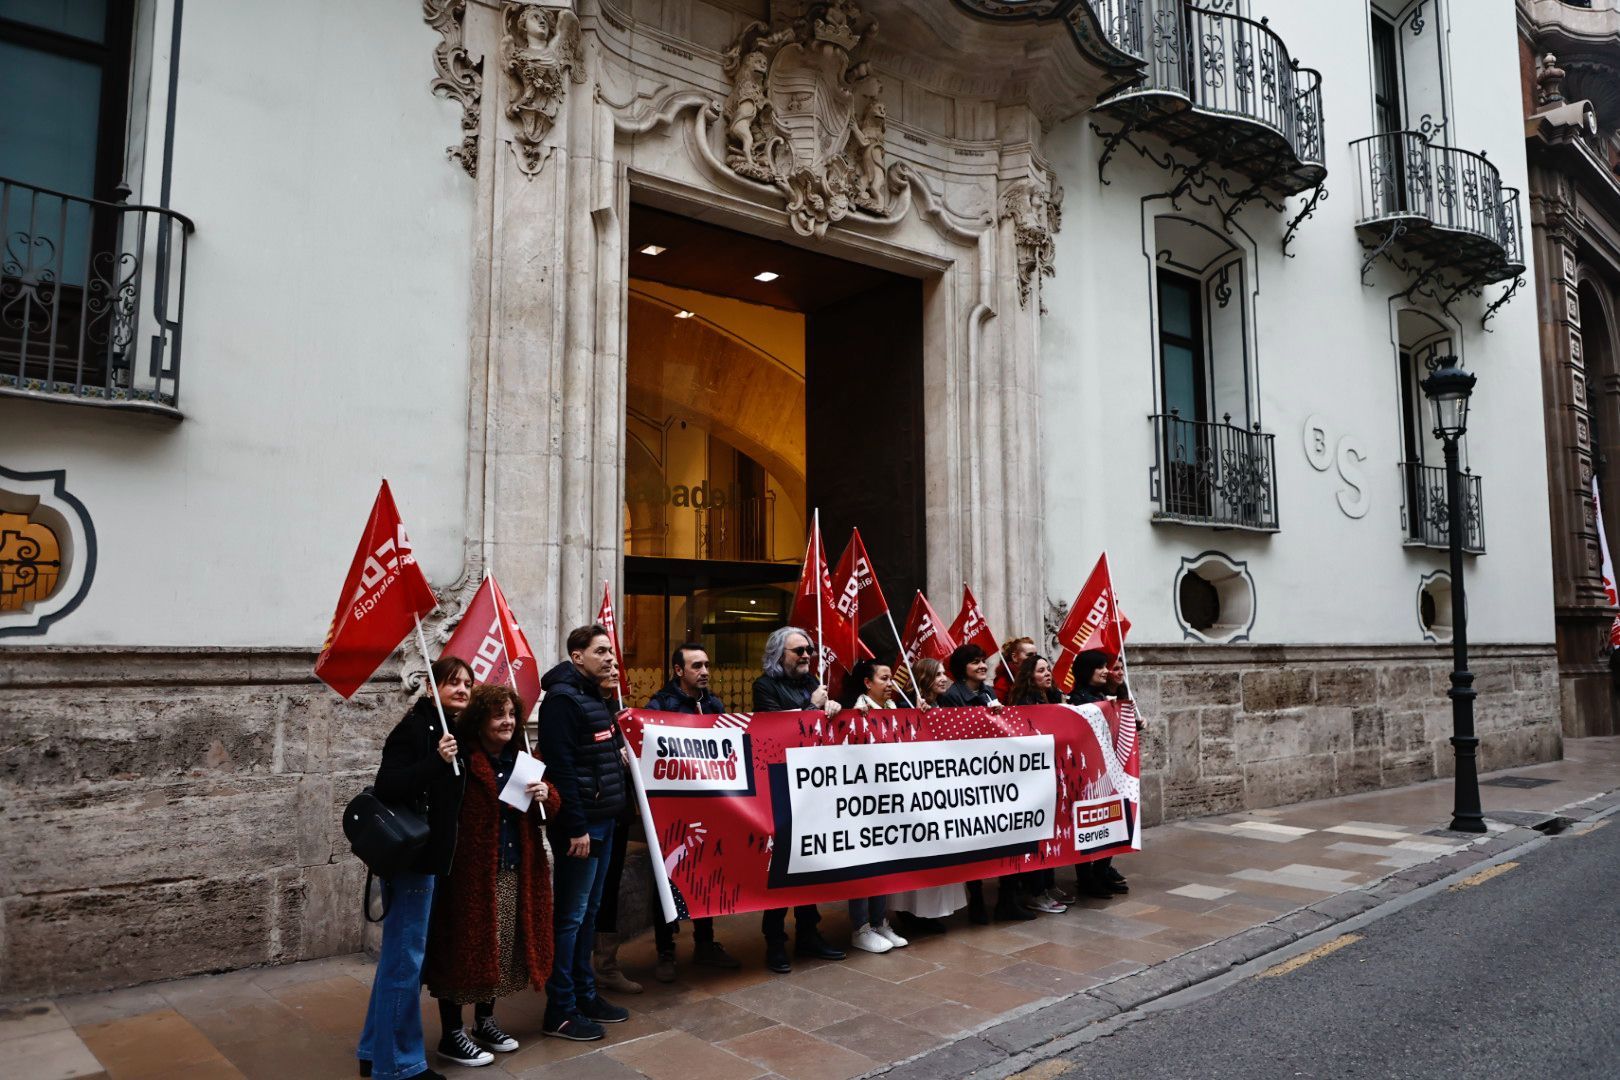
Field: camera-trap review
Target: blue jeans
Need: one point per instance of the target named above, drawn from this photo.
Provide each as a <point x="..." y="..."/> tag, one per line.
<point x="869" y="912"/>
<point x="392" y="1037"/>
<point x="578" y="897"/>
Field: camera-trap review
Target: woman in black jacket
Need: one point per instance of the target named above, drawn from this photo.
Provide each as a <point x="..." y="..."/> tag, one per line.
<point x="1094" y="879"/>
<point x="416" y="773"/>
<point x="1032" y="685"/>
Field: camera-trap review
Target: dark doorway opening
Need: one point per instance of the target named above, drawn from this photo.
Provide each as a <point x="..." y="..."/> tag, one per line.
<point x="765" y="382"/>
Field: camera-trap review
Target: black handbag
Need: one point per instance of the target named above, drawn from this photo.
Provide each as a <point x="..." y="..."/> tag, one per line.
<point x="385" y="838"/>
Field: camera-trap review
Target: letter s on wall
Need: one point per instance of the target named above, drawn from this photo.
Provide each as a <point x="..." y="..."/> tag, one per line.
<point x="1353" y="500"/>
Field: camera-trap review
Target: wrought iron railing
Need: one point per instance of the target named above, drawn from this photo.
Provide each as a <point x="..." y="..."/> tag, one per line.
<point x="744" y="529"/>
<point x="1402" y="174"/>
<point x="92" y="295"/>
<point x="1222" y="62"/>
<point x="1214" y="473"/>
<point x="1428" y="520"/>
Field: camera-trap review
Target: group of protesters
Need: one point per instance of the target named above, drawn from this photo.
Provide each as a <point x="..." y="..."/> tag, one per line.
<point x="499" y="899"/>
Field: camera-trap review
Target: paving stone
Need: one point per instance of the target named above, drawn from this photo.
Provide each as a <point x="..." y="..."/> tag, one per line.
<point x="1297" y="924"/>
<point x="959" y="1058"/>
<point x="1345" y="905"/>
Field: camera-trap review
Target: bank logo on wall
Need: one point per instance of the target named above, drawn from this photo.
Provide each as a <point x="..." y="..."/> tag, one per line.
<point x="696" y="761"/>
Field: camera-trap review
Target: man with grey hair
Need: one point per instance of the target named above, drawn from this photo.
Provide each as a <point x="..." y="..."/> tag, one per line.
<point x="788" y="686"/>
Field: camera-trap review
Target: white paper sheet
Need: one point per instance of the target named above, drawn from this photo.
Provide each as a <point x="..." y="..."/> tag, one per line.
<point x="525" y="771"/>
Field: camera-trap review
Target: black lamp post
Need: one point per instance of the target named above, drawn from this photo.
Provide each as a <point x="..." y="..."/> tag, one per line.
<point x="1448" y="388"/>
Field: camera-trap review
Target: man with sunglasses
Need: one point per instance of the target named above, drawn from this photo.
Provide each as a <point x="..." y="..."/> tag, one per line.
<point x="788" y="685"/>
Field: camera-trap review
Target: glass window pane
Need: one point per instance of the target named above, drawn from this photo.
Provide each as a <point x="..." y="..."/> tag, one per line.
<point x="1180" y="382"/>
<point x="85" y="19"/>
<point x="1175" y="307"/>
<point x="53" y="142"/>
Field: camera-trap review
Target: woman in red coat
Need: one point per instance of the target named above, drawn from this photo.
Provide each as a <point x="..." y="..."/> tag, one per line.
<point x="491" y="929"/>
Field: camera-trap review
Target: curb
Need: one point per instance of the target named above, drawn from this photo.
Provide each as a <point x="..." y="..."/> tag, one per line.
<point x="1006" y="1045"/>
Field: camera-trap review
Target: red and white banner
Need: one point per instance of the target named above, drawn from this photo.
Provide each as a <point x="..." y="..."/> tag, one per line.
<point x="858" y="596"/>
<point x="383" y="596"/>
<point x="604" y="617"/>
<point x="776" y="809"/>
<point x="1093" y="622"/>
<point x="1608" y="566"/>
<point x="491" y="641"/>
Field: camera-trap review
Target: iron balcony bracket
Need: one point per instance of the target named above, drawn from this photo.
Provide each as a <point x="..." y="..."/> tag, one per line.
<point x="1397" y="229"/>
<point x="1318" y="194"/>
<point x="1507" y="295"/>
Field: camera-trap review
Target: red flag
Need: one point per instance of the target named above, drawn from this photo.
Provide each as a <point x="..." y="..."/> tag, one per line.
<point x="490" y="639"/>
<point x="924" y="636"/>
<point x="383" y="596"/>
<point x="970" y="627"/>
<point x="605" y="616"/>
<point x="1094" y="622"/>
<point x="837" y="644"/>
<point x="857" y="594"/>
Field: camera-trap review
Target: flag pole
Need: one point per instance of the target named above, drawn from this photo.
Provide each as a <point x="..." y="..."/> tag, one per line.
<point x="815" y="543"/>
<point x="433" y="687"/>
<point x="915" y="689"/>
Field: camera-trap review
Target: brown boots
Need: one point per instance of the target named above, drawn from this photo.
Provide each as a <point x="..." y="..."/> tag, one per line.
<point x="605" y="961"/>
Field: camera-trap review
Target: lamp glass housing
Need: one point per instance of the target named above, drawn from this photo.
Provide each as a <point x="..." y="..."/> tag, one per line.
<point x="1448" y="388"/>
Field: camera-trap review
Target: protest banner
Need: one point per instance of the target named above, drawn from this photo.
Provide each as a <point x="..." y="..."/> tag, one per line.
<point x="1094" y="621"/>
<point x="777" y="809"/>
<point x="815" y="609"/>
<point x="924" y="638"/>
<point x="1608" y="567"/>
<point x="491" y="641"/>
<point x="606" y="620"/>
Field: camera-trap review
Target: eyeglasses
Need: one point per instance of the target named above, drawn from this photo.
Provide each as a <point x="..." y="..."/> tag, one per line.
<point x="803" y="650"/>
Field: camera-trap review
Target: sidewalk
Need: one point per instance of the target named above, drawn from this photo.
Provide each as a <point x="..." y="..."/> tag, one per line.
<point x="945" y="1005"/>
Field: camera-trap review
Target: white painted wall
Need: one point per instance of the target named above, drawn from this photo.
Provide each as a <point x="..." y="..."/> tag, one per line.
<point x="1324" y="347"/>
<point x="326" y="329"/>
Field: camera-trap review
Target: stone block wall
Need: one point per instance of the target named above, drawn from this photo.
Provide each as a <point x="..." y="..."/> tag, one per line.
<point x="170" y="812"/>
<point x="1237" y="727"/>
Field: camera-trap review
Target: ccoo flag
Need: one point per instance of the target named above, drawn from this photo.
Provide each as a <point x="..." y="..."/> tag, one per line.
<point x="1608" y="567"/>
<point x="1094" y="622"/>
<point x="604" y="616"/>
<point x="382" y="599"/>
<point x="491" y="641"/>
<point x="970" y="627"/>
<point x="815" y="608"/>
<point x="924" y="636"/>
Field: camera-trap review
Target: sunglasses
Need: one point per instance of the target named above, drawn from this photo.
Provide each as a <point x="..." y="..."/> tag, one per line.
<point x="803" y="650"/>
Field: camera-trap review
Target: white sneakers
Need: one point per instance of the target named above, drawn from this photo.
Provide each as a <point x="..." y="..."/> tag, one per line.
<point x="877" y="939"/>
<point x="886" y="932"/>
<point x="1042" y="902"/>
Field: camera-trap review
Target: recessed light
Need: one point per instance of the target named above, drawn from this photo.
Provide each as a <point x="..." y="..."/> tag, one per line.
<point x="684" y="314"/>
<point x="766" y="275"/>
<point x="653" y="249"/>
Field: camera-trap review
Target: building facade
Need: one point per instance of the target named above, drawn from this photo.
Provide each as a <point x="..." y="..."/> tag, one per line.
<point x="1570" y="67"/>
<point x="1002" y="284"/>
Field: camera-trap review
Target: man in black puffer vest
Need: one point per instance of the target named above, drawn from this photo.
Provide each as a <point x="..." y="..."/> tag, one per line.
<point x="579" y="744"/>
<point x="688" y="692"/>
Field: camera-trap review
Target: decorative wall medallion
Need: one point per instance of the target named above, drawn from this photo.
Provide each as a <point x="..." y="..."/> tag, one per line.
<point x="459" y="76"/>
<point x="804" y="115"/>
<point x="1036" y="213"/>
<point x="1317" y="450"/>
<point x="47" y="551"/>
<point x="541" y="54"/>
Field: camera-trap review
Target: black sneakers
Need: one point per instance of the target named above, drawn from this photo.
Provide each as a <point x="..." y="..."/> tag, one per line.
<point x="572" y="1026"/>
<point x="458" y="1048"/>
<point x="776" y="959"/>
<point x="713" y="954"/>
<point x="815" y="946"/>
<point x="488" y="1034"/>
<point x="603" y="1011"/>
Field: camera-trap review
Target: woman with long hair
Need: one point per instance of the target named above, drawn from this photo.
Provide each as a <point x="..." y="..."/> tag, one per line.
<point x="416" y="773"/>
<point x="919" y="911"/>
<point x="1032" y="685"/>
<point x="491" y="933"/>
<point x="1095" y="878"/>
<point x="870" y="687"/>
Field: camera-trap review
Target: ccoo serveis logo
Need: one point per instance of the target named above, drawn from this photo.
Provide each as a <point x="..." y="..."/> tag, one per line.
<point x="380" y="569"/>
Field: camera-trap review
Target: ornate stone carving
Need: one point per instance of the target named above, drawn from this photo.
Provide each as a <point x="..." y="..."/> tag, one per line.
<point x="459" y="76"/>
<point x="541" y="54"/>
<point x="1036" y="213"/>
<point x="805" y="115"/>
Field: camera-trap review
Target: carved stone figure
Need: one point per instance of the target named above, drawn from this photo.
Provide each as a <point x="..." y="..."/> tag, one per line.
<point x="457" y="75"/>
<point x="804" y="116"/>
<point x="542" y="54"/>
<point x="1036" y="214"/>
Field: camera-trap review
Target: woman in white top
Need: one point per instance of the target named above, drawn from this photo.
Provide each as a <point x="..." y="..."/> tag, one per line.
<point x="920" y="910"/>
<point x="871" y="686"/>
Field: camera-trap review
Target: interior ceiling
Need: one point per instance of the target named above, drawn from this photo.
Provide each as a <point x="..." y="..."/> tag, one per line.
<point x="722" y="262"/>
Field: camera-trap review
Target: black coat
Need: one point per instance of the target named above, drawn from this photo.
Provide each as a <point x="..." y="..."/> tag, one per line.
<point x="673" y="699"/>
<point x="413" y="775"/>
<point x="1082" y="695"/>
<point x="959" y="696"/>
<point x="784" y="693"/>
<point x="580" y="746"/>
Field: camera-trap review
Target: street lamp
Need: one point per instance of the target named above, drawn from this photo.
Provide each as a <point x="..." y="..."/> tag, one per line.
<point x="1448" y="388"/>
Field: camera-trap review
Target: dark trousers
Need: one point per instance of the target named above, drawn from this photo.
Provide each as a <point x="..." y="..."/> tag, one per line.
<point x="607" y="916"/>
<point x="664" y="933"/>
<point x="774" y="924"/>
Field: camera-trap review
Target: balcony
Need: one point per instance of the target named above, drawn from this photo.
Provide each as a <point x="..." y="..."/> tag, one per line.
<point x="1427" y="517"/>
<point x="1221" y="88"/>
<point x="91" y="299"/>
<point x="1214" y="474"/>
<point x="1438" y="213"/>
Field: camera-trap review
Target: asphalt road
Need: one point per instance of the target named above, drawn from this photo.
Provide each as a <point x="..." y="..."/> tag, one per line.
<point x="1516" y="976"/>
